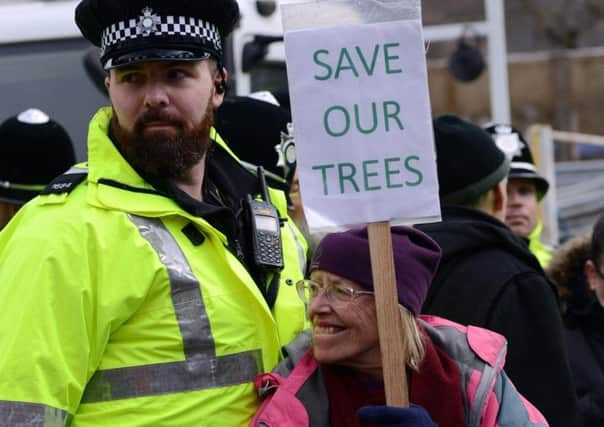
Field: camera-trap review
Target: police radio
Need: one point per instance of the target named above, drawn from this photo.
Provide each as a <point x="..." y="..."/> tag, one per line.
<point x="266" y="236"/>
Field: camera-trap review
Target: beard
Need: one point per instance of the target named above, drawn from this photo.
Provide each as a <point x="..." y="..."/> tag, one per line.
<point x="163" y="155"/>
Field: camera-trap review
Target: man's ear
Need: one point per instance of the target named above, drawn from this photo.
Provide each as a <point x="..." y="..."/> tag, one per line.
<point x="589" y="269"/>
<point x="219" y="87"/>
<point x="500" y="200"/>
<point x="107" y="83"/>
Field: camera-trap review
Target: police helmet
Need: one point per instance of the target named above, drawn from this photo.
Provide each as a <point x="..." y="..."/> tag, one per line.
<point x="34" y="149"/>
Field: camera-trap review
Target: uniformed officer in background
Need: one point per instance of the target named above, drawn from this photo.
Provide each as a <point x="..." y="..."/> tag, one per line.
<point x="33" y="150"/>
<point x="525" y="190"/>
<point x="147" y="287"/>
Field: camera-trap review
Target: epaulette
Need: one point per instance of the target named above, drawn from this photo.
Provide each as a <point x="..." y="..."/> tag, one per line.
<point x="67" y="182"/>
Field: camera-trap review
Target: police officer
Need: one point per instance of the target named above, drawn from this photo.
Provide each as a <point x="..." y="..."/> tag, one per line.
<point x="33" y="150"/>
<point x="525" y="190"/>
<point x="145" y="287"/>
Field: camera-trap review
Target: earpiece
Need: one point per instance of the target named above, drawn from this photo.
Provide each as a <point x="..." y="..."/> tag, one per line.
<point x="220" y="88"/>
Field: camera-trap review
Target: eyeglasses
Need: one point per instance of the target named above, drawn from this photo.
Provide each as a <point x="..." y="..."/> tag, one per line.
<point x="309" y="289"/>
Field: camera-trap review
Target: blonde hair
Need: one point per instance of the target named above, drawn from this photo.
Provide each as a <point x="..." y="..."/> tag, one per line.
<point x="413" y="339"/>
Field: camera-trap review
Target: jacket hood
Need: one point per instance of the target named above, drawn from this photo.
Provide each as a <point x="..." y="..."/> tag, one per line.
<point x="466" y="230"/>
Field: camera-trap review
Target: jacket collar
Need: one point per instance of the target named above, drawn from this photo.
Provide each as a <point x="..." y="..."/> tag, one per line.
<point x="106" y="165"/>
<point x="114" y="184"/>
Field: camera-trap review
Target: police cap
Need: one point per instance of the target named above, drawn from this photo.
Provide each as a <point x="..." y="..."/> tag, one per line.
<point x="129" y="31"/>
<point x="34" y="149"/>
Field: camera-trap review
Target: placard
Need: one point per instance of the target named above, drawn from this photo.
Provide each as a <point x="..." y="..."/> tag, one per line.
<point x="362" y="123"/>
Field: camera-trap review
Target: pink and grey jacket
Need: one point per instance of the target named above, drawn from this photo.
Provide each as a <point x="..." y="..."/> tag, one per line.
<point x="294" y="395"/>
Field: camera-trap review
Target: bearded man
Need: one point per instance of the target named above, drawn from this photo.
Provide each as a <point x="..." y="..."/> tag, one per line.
<point x="131" y="289"/>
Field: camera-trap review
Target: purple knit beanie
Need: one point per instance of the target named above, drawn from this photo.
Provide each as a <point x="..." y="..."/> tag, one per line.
<point x="416" y="258"/>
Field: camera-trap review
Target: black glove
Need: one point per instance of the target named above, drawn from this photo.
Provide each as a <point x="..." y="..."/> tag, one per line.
<point x="390" y="416"/>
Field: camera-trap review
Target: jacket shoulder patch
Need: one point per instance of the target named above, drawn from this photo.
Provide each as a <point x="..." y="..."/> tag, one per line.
<point x="67" y="182"/>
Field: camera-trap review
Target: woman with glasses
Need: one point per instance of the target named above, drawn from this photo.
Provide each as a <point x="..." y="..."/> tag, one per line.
<point x="577" y="268"/>
<point x="333" y="373"/>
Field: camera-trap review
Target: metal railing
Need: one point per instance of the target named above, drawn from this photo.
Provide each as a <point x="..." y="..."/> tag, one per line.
<point x="573" y="206"/>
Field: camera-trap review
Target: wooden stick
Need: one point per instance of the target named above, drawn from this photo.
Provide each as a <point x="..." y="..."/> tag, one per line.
<point x="388" y="314"/>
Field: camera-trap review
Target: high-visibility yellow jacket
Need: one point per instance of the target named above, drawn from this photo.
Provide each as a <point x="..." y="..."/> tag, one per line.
<point x="111" y="316"/>
<point x="541" y="251"/>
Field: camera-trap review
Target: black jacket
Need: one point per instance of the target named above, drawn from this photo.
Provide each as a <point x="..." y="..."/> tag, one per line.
<point x="488" y="278"/>
<point x="584" y="329"/>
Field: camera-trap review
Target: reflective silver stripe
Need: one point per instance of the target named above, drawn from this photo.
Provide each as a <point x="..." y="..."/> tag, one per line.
<point x="32" y="415"/>
<point x="186" y="292"/>
<point x="76" y="169"/>
<point x="202" y="369"/>
<point x="300" y="248"/>
<point x="176" y="377"/>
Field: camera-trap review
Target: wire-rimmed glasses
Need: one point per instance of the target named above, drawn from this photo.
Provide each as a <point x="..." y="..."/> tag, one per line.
<point x="309" y="289"/>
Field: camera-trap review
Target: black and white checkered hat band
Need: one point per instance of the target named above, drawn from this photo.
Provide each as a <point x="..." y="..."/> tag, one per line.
<point x="164" y="26"/>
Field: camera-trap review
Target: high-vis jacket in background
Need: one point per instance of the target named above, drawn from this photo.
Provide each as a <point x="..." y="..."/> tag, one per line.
<point x="120" y="308"/>
<point x="542" y="252"/>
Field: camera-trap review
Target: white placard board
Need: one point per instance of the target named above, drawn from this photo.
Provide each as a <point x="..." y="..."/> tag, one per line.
<point x="362" y="124"/>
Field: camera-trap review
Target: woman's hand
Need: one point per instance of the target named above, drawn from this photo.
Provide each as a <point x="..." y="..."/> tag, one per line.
<point x="390" y="416"/>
